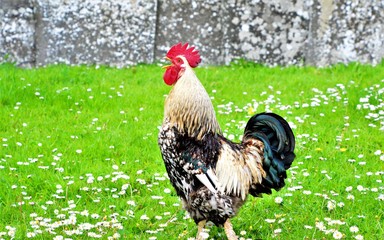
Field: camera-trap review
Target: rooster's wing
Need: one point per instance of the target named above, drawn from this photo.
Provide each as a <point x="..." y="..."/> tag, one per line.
<point x="198" y="158"/>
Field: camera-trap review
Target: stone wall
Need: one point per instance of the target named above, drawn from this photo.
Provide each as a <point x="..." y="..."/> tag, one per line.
<point x="17" y="31"/>
<point x="126" y="32"/>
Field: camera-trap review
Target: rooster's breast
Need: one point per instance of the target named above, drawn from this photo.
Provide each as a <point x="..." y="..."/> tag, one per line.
<point x="169" y="147"/>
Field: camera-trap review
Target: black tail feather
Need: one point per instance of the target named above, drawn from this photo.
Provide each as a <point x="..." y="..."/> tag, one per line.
<point x="279" y="145"/>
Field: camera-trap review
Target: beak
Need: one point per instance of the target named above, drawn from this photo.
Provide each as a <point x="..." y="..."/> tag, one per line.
<point x="167" y="66"/>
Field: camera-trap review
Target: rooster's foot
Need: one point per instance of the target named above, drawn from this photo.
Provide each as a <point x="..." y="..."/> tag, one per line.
<point x="200" y="231"/>
<point x="231" y="235"/>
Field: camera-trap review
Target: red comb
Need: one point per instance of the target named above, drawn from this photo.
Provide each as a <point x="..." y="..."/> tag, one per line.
<point x="191" y="54"/>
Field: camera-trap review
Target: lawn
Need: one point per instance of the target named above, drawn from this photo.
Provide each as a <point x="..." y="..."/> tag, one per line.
<point x="79" y="156"/>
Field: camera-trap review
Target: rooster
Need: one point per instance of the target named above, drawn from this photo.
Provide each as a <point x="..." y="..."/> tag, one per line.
<point x="212" y="175"/>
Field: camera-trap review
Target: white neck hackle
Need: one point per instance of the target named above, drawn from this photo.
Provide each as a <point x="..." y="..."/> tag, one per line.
<point x="188" y="106"/>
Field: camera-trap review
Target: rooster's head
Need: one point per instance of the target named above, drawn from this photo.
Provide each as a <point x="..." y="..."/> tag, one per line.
<point x="180" y="55"/>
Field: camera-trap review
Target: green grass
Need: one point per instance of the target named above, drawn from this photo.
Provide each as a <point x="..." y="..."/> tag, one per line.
<point x="79" y="155"/>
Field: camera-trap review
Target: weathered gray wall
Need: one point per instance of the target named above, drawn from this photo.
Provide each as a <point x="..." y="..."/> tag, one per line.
<point x="112" y="32"/>
<point x="125" y="32"/>
<point x="17" y="31"/>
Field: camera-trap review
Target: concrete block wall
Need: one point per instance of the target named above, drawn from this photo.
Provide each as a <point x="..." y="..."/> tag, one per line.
<point x="125" y="32"/>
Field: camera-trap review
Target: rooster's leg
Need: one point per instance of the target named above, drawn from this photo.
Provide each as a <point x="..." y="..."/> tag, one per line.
<point x="200" y="228"/>
<point x="231" y="235"/>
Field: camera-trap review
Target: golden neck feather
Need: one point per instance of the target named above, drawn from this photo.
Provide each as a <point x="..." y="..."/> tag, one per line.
<point x="189" y="108"/>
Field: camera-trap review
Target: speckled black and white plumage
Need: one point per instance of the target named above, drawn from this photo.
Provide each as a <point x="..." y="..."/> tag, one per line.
<point x="198" y="200"/>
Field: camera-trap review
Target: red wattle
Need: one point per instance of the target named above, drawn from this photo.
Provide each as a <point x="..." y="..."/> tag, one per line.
<point x="171" y="75"/>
